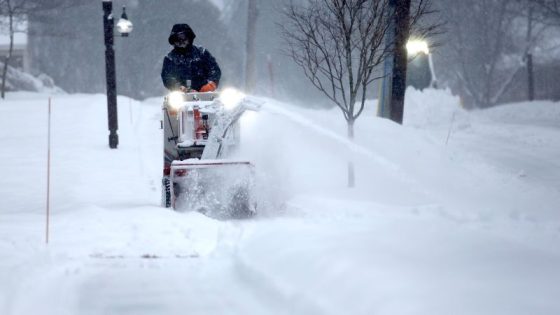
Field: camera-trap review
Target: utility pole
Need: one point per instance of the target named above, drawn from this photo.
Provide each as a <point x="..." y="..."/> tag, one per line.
<point x="108" y="25"/>
<point x="250" y="52"/>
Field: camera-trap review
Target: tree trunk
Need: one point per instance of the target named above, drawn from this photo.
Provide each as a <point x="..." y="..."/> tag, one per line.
<point x="351" y="170"/>
<point x="4" y="74"/>
<point x="530" y="71"/>
<point x="272" y="87"/>
<point x="10" y="51"/>
<point x="250" y="57"/>
<point x="530" y="78"/>
<point x="402" y="22"/>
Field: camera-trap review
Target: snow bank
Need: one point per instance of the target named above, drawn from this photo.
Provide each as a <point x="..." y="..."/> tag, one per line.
<point x="431" y="228"/>
<point x="541" y="113"/>
<point x="306" y="151"/>
<point x="433" y="109"/>
<point x="18" y="80"/>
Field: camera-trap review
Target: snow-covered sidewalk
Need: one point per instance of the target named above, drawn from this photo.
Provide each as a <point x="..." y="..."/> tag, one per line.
<point x="467" y="228"/>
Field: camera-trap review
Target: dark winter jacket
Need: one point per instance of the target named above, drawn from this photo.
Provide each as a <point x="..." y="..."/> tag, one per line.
<point x="191" y="63"/>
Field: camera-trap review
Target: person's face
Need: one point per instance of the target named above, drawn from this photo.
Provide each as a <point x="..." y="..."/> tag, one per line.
<point x="181" y="40"/>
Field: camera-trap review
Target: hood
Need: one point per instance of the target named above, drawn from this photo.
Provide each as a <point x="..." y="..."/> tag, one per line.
<point x="181" y="28"/>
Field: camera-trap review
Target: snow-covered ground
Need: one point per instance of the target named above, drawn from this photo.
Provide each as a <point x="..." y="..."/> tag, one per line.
<point x="454" y="213"/>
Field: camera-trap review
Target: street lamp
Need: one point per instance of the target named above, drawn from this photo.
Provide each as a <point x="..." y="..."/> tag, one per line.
<point x="416" y="46"/>
<point x="124" y="27"/>
<point x="420" y="48"/>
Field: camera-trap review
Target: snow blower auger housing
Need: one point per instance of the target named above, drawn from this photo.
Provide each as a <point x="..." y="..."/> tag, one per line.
<point x="200" y="130"/>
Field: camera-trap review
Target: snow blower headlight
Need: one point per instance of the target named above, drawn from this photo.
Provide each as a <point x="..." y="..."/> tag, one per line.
<point x="231" y="98"/>
<point x="176" y="100"/>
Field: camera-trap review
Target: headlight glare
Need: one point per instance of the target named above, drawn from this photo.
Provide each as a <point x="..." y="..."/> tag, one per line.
<point x="231" y="98"/>
<point x="176" y="100"/>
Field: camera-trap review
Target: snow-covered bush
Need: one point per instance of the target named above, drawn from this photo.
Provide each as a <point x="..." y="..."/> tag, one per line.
<point x="17" y="80"/>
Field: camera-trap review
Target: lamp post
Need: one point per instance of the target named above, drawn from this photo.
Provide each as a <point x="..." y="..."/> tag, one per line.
<point x="124" y="27"/>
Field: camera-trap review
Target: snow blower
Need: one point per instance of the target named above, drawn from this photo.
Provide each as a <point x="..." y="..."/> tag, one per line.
<point x="200" y="131"/>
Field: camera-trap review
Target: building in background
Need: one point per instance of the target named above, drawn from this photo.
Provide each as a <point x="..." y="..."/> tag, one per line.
<point x="20" y="55"/>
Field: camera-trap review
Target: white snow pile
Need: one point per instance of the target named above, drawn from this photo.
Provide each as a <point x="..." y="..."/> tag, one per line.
<point x="454" y="213"/>
<point x="544" y="113"/>
<point x="17" y="80"/>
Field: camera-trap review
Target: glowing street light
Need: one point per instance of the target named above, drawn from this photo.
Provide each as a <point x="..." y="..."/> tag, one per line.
<point x="417" y="48"/>
<point x="124" y="26"/>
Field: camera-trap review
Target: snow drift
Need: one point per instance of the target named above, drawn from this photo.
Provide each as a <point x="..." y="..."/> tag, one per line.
<point x="455" y="212"/>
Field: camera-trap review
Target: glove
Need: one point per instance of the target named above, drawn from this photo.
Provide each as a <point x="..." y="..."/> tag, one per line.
<point x="209" y="87"/>
<point x="185" y="89"/>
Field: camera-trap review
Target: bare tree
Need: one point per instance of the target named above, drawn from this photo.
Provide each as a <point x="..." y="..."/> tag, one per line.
<point x="490" y="44"/>
<point x="339" y="44"/>
<point x="16" y="10"/>
<point x="550" y="8"/>
<point x="534" y="21"/>
<point x="484" y="54"/>
<point x="9" y="9"/>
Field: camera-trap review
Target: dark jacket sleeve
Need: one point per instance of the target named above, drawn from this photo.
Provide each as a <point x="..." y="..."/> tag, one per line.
<point x="213" y="70"/>
<point x="169" y="75"/>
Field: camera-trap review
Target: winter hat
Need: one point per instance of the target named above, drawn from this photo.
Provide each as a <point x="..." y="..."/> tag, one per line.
<point x="181" y="28"/>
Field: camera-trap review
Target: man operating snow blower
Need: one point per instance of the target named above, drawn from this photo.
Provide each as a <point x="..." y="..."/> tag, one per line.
<point x="188" y="63"/>
<point x="200" y="130"/>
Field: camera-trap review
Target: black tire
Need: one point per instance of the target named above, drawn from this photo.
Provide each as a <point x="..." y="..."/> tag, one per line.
<point x="165" y="192"/>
